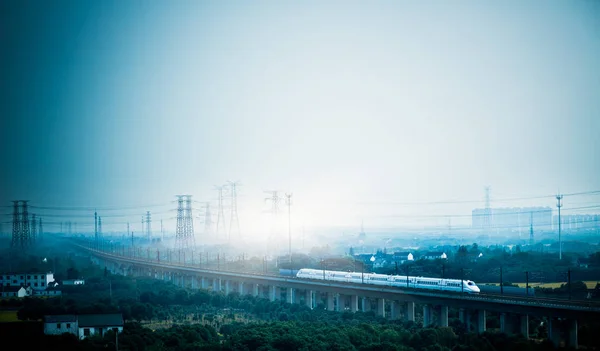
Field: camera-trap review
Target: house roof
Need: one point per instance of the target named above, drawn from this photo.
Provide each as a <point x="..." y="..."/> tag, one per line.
<point x="99" y="320"/>
<point x="60" y="318"/>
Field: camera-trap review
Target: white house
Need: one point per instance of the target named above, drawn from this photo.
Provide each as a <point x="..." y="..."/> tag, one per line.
<point x="37" y="281"/>
<point x="60" y="324"/>
<point x="92" y="324"/>
<point x="14" y="291"/>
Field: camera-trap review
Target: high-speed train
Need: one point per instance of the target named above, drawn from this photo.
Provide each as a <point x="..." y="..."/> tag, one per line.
<point x="455" y="285"/>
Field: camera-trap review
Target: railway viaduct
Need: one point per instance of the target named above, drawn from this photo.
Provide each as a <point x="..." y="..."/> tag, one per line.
<point x="396" y="302"/>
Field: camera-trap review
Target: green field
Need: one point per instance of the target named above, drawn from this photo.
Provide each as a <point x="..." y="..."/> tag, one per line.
<point x="8" y="316"/>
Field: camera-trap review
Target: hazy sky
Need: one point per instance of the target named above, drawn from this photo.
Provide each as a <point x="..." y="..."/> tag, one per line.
<point x="127" y="103"/>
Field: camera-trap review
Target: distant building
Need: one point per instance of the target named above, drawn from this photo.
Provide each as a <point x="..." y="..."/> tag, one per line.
<point x="60" y="324"/>
<point x="83" y="325"/>
<point x="13" y="291"/>
<point x="435" y="255"/>
<point x="37" y="281"/>
<point x="92" y="324"/>
<point x="73" y="282"/>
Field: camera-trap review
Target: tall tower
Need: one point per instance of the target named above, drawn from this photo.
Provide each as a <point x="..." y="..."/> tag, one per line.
<point x="220" y="212"/>
<point x="33" y="228"/>
<point x="17" y="238"/>
<point x="25" y="233"/>
<point x="96" y="227"/>
<point x="487" y="214"/>
<point x="99" y="227"/>
<point x="41" y="230"/>
<point x="184" y="232"/>
<point x="148" y="226"/>
<point x="531" y="228"/>
<point x="234" y="213"/>
<point x="559" y="205"/>
<point x="189" y="222"/>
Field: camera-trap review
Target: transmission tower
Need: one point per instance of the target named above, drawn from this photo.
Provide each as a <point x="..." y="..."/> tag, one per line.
<point x="189" y="222"/>
<point x="41" y="230"/>
<point x="184" y="230"/>
<point x="99" y="227"/>
<point x="25" y="232"/>
<point x="33" y="228"/>
<point x="234" y="213"/>
<point x="162" y="232"/>
<point x="531" y="228"/>
<point x="487" y="214"/>
<point x="220" y="212"/>
<point x="148" y="226"/>
<point x="17" y="238"/>
<point x="559" y="205"/>
<point x="96" y="227"/>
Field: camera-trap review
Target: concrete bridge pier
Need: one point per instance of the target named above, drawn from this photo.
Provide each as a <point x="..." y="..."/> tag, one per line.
<point x="194" y="282"/>
<point x="203" y="283"/>
<point x="227" y="287"/>
<point x="381" y="307"/>
<point x="525" y="325"/>
<point x="255" y="290"/>
<point x="330" y="301"/>
<point x="309" y="299"/>
<point x="353" y="303"/>
<point x="461" y="315"/>
<point x="242" y="288"/>
<point x="426" y="315"/>
<point x="394" y="310"/>
<point x="481" y="321"/>
<point x="410" y="311"/>
<point x="443" y="316"/>
<point x="274" y="293"/>
<point x="554" y="331"/>
<point x="289" y="295"/>
<point x="572" y="334"/>
<point x="366" y="304"/>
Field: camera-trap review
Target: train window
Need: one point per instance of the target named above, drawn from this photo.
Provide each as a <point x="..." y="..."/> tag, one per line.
<point x="470" y="283"/>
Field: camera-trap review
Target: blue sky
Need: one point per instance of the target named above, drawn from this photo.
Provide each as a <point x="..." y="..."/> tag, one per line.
<point x="128" y="103"/>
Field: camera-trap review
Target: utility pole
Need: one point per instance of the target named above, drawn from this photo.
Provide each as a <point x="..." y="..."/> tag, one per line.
<point x="559" y="205"/>
<point x="220" y="212"/>
<point x="96" y="227"/>
<point x="162" y="233"/>
<point x="148" y="226"/>
<point x="289" y="204"/>
<point x="531" y="228"/>
<point x="527" y="283"/>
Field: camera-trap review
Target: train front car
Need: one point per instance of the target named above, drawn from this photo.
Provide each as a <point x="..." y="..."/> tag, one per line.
<point x="470" y="287"/>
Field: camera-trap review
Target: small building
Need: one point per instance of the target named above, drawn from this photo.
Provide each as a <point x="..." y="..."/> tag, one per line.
<point x="37" y="281"/>
<point x="13" y="291"/>
<point x="53" y="291"/>
<point x="435" y="255"/>
<point x="60" y="324"/>
<point x="73" y="282"/>
<point x="98" y="324"/>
